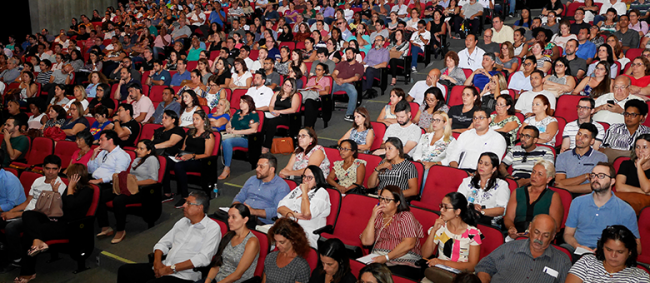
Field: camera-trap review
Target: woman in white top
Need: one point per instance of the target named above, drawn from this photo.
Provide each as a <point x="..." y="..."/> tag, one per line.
<point x="387" y="114"/>
<point x="485" y="190"/>
<point x="432" y="147"/>
<point x="38" y="118"/>
<point x="412" y="24"/>
<point x="564" y="35"/>
<point x="241" y="78"/>
<point x="545" y="123"/>
<point x="79" y="95"/>
<point x="309" y="203"/>
<point x="189" y="104"/>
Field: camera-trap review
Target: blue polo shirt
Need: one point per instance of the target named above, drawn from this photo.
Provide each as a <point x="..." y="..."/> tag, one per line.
<point x="162" y="76"/>
<point x="214" y="17"/>
<point x="590" y="220"/>
<point x="11" y="192"/>
<point x="572" y="164"/>
<point x="586" y="50"/>
<point x="178" y="78"/>
<point x="260" y="195"/>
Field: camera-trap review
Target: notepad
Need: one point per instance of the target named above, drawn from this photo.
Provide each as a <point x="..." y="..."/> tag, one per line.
<point x="367" y="259"/>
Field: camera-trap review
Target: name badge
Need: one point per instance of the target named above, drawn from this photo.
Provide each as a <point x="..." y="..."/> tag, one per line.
<point x="550" y="271"/>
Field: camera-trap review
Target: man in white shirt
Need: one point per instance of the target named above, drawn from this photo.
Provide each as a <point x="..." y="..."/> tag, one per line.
<point x="401" y="9"/>
<point x="107" y="159"/>
<point x="524" y="104"/>
<point x="244" y="51"/>
<point x="520" y="80"/>
<point x="472" y="56"/>
<point x="610" y="106"/>
<point x="192" y="242"/>
<point x="408" y="133"/>
<point x="416" y="94"/>
<point x="419" y="40"/>
<point x="13" y="229"/>
<point x="464" y="152"/>
<point x="260" y="93"/>
<point x="500" y="32"/>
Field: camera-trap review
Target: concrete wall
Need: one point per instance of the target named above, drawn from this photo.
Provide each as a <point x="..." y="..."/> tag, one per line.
<point x="57" y="14"/>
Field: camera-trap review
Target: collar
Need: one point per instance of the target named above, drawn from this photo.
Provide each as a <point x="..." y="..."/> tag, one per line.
<point x="589" y="122"/>
<point x="588" y="153"/>
<point x="525" y="249"/>
<point x="198" y="225"/>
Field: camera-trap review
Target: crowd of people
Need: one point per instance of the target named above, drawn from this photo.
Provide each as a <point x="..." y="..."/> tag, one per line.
<point x="491" y="111"/>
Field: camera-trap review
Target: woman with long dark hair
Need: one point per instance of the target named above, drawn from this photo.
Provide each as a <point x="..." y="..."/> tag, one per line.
<point x="485" y="190"/>
<point x="604" y="53"/>
<point x="333" y="264"/>
<point x="395" y="170"/>
<point x="244" y="122"/>
<point x="284" y="103"/>
<point x="598" y="83"/>
<point x="189" y="105"/>
<point x="361" y="132"/>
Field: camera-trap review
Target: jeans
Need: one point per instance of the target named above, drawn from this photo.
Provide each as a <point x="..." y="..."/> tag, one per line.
<point x="157" y="51"/>
<point x="414" y="55"/>
<point x="228" y="144"/>
<point x="513" y="5"/>
<point x="371" y="74"/>
<point x="352" y="94"/>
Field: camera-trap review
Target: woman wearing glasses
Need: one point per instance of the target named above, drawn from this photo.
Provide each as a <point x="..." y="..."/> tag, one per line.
<point x="488" y="193"/>
<point x="394" y="233"/>
<point x="375" y="273"/>
<point x="308" y="152"/>
<point x="349" y="172"/>
<point x="615" y="257"/>
<point x="395" y="170"/>
<point x="454" y="236"/>
<point x="432" y="147"/>
<point x="560" y="82"/>
<point x="545" y="123"/>
<point x="639" y="74"/>
<point x="284" y="103"/>
<point x="309" y="203"/>
<point x="632" y="178"/>
<point x="505" y="121"/>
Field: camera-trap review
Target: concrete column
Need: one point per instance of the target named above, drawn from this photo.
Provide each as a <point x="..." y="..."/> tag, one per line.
<point x="57" y="14"/>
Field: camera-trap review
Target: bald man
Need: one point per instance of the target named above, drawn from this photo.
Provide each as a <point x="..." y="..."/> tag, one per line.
<point x="530" y="260"/>
<point x="417" y="91"/>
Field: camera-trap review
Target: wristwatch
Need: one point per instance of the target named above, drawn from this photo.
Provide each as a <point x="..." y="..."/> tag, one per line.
<point x="173" y="267"/>
<point x="387" y="258"/>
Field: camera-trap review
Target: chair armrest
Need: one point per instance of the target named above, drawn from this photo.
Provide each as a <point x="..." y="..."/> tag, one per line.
<point x="325" y="229"/>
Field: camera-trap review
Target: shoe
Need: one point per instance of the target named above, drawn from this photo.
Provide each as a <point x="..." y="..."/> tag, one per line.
<point x="414" y="69"/>
<point x="117" y="240"/>
<point x="108" y="232"/>
<point x="349" y="118"/>
<point x="167" y="198"/>
<point x="222" y="177"/>
<point x="10" y="267"/>
<point x="180" y="203"/>
<point x="33" y="251"/>
<point x="511" y="15"/>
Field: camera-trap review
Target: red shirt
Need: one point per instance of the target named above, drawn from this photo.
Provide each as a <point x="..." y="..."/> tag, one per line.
<point x="642" y="82"/>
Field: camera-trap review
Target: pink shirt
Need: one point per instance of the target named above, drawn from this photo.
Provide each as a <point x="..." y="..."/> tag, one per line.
<point x="143" y="105"/>
<point x="83" y="160"/>
<point x="159" y="43"/>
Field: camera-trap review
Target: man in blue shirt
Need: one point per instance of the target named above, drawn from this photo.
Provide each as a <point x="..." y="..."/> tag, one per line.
<point x="159" y="76"/>
<point x="479" y="77"/>
<point x="182" y="73"/>
<point x="263" y="192"/>
<point x="573" y="167"/>
<point x="586" y="49"/>
<point x="218" y="15"/>
<point x="12" y="192"/>
<point x="590" y="214"/>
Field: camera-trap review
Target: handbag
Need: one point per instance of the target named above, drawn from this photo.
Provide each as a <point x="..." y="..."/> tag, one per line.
<point x="50" y="204"/>
<point x="282" y="146"/>
<point x="439" y="275"/>
<point x="125" y="184"/>
<point x="55" y="133"/>
<point x="396" y="54"/>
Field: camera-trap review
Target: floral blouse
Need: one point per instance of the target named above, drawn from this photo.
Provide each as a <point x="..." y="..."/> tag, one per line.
<point x="426" y="118"/>
<point x="498" y="125"/>
<point x="301" y="160"/>
<point x="348" y="176"/>
<point x="359" y="137"/>
<point x="431" y="153"/>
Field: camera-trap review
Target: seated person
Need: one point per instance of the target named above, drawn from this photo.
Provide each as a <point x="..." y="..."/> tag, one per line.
<point x="189" y="105"/>
<point x="238" y="251"/>
<point x="598" y="267"/>
<point x="617" y="138"/>
<point x="504" y="121"/>
<point x="574" y="167"/>
<point x="349" y="172"/>
<point x="199" y="248"/>
<point x="404" y="130"/>
<point x="524" y="104"/>
<point x="333" y="262"/>
<point x="127" y="128"/>
<point x="76" y="123"/>
<point x="308" y="152"/>
<point x="39" y="228"/>
<point x="84" y="141"/>
<point x="263" y="192"/>
<point x="145" y="168"/>
<point x="536" y="253"/>
<point x="488" y="193"/>
<point x="585" y="109"/>
<point x="283" y="103"/>
<point x="14" y="144"/>
<point x="13" y="109"/>
<point x="399" y="228"/>
<point x="169" y="103"/>
<point x="103" y="98"/>
<point x="432" y="147"/>
<point x="524" y="156"/>
<point x="198" y="144"/>
<point x="633" y="173"/>
<point x="481" y="77"/>
<point x="387" y="114"/>
<point x="293" y="247"/>
<point x="454" y="236"/>
<point x="582" y="229"/>
<point x="542" y="120"/>
<point x="107" y="159"/>
<point x="101" y="122"/>
<point x="461" y="115"/>
<point x="220" y="116"/>
<point x="434" y="101"/>
<point x="395" y="170"/>
<point x="168" y="139"/>
<point x="315" y="84"/>
<point x="56" y="117"/>
<point x="309" y="203"/>
<point x="611" y="106"/>
<point x="243" y="123"/>
<point x="142" y="106"/>
<point x="361" y="132"/>
<point x="542" y="199"/>
<point x="79" y="95"/>
<point x="520" y="80"/>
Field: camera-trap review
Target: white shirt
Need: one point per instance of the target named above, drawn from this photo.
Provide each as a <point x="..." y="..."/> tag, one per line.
<point x="400" y="10"/>
<point x="415" y="38"/>
<point x="40" y="186"/>
<point x="319" y="207"/>
<point x="520" y="82"/>
<point x="84" y="103"/>
<point x="469" y="146"/>
<point x="108" y="163"/>
<point x="498" y="196"/>
<point x="194" y="17"/>
<point x="417" y="91"/>
<point x="186" y="241"/>
<point x="325" y="27"/>
<point x="525" y="101"/>
<point x="249" y="63"/>
<point x="471" y="61"/>
<point x="619" y="6"/>
<point x="256" y="66"/>
<point x="187" y="117"/>
<point x="262" y="97"/>
<point x="609" y="117"/>
<point x="486" y="3"/>
<point x="506" y="34"/>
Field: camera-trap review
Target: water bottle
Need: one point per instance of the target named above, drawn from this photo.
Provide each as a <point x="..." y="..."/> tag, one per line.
<point x="215" y="191"/>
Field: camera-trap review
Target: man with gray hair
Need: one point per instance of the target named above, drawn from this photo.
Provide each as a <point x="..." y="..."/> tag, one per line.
<point x="11" y="73"/>
<point x="481" y="77"/>
<point x="376" y="59"/>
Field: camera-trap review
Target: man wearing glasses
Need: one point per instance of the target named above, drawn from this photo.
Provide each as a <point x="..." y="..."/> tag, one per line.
<point x="520" y="80"/>
<point x="609" y="106"/>
<point x="619" y="138"/>
<point x="379" y="30"/>
<point x="465" y="152"/>
<point x="591" y="214"/>
<point x="573" y="167"/>
<point x="585" y="109"/>
<point x="523" y="157"/>
<point x="345" y="33"/>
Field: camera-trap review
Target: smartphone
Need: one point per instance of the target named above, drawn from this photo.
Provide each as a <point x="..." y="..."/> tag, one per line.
<point x="611" y="102"/>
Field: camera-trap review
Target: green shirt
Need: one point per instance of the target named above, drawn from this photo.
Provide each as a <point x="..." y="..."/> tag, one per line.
<point x="153" y="30"/>
<point x="19" y="143"/>
<point x="244" y="123"/>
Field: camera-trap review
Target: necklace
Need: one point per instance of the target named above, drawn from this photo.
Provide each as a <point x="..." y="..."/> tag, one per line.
<point x="81" y="154"/>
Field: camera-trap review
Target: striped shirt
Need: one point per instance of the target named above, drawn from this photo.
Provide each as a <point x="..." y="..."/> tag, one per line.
<point x="513" y="262"/>
<point x="618" y="136"/>
<point x="571" y="130"/>
<point x="522" y="162"/>
<point x="590" y="269"/>
<point x="399" y="175"/>
<point x="390" y="233"/>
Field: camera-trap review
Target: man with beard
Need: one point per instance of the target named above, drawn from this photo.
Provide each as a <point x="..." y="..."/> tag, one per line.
<point x="263" y="192"/>
<point x="573" y="167"/>
<point x="523" y="157"/>
<point x="408" y="133"/>
<point x="345" y="75"/>
<point x="531" y="260"/>
<point x="591" y="214"/>
<point x="577" y="65"/>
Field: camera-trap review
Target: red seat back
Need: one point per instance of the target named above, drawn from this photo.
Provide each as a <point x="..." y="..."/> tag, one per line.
<point x="371" y="163"/>
<point x="191" y="65"/>
<point x="162" y="161"/>
<point x="618" y="161"/>
<point x="147" y="131"/>
<point x="561" y="123"/>
<point x="41" y="147"/>
<point x="436" y="187"/>
<point x="420" y="168"/>
<point x="156" y="93"/>
<point x="27" y="178"/>
<point x="380" y="130"/>
<point x="512" y="184"/>
<point x="493" y="238"/>
<point x="355" y="212"/>
<point x="566" y="107"/>
<point x="236" y="97"/>
<point x="93" y="205"/>
<point x="65" y="149"/>
<point x="332" y="154"/>
<point x="264" y="251"/>
<point x="426" y="218"/>
<point x="12" y="171"/>
<point x="566" y="198"/>
<point x="292" y="184"/>
<point x="644" y="233"/>
<point x="254" y="54"/>
<point x="312" y="259"/>
<point x="335" y="209"/>
<point x="414" y="109"/>
<point x="214" y="55"/>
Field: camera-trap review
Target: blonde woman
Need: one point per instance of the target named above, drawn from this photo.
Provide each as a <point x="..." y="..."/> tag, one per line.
<point x="79" y="95"/>
<point x="496" y="87"/>
<point x="432" y="147"/>
<point x="221" y="116"/>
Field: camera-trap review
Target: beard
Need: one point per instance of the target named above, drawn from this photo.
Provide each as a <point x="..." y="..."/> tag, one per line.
<point x="403" y="123"/>
<point x="350" y="59"/>
<point x="598" y="188"/>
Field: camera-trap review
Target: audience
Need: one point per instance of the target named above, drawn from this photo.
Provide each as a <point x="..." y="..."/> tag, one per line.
<point x="189" y="105"/>
<point x="434" y="101"/>
<point x="308" y="152"/>
<point x="524" y="156"/>
<point x="633" y="173"/>
<point x="395" y="170"/>
<point x="315" y="85"/>
<point x="504" y="121"/>
<point x="333" y="262"/>
<point x="142" y="106"/>
<point x="487" y="193"/>
<point x="243" y="123"/>
<point x="125" y="126"/>
<point x="585" y="110"/>
<point x="541" y="118"/>
<point x="525" y="102"/>
<point x="610" y="107"/>
<point x="361" y="132"/>
<point x="283" y="103"/>
<point x="15" y="145"/>
<point x="461" y="115"/>
<point x="345" y="77"/>
<point x="452" y="72"/>
<point x="169" y="103"/>
<point x="102" y="98"/>
<point x="618" y="138"/>
<point x="387" y="114"/>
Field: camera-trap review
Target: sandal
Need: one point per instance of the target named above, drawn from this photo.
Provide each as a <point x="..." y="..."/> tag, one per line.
<point x="393" y="82"/>
<point x="33" y="251"/>
<point x="24" y="279"/>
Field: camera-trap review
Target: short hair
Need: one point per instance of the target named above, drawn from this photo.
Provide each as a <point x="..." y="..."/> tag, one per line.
<point x="638" y="104"/>
<point x="354" y="50"/>
<point x="273" y="161"/>
<point x="127" y="107"/>
<point x="402" y="105"/>
<point x="590" y="100"/>
<point x="397" y="196"/>
<point x="173" y="115"/>
<point x="136" y="86"/>
<point x="539" y="72"/>
<point x="52" y="159"/>
<point x="262" y="73"/>
<point x="86" y="136"/>
<point x="454" y="56"/>
<point x="491" y="55"/>
<point x="531" y="59"/>
<point x="591" y="128"/>
<point x="110" y="135"/>
<point x="610" y="168"/>
<point x="534" y="129"/>
<point x="18" y="122"/>
<point x="201" y="199"/>
<point x="548" y="166"/>
<point x="321" y="50"/>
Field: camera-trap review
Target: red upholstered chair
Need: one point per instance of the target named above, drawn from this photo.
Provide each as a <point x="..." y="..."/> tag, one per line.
<point x="493" y="238"/>
<point x="191" y="65"/>
<point x="420" y="168"/>
<point x="355" y="212"/>
<point x="236" y="97"/>
<point x="27" y="178"/>
<point x="426" y="218"/>
<point x="512" y="184"/>
<point x="12" y="171"/>
<point x="207" y="177"/>
<point x="40" y="148"/>
<point x="156" y="93"/>
<point x="565" y="251"/>
<point x="332" y="154"/>
<point x="618" y="161"/>
<point x="371" y="163"/>
<point x="561" y="123"/>
<point x="380" y="130"/>
<point x="644" y="232"/>
<point x="292" y="184"/>
<point x="147" y="131"/>
<point x="566" y="107"/>
<point x="414" y="109"/>
<point x="438" y="186"/>
<point x="566" y="198"/>
<point x="335" y="209"/>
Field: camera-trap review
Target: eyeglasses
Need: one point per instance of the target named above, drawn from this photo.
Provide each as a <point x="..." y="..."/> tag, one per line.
<point x="307" y="177"/>
<point x="386" y="200"/>
<point x="302" y="136"/>
<point x="527" y="136"/>
<point x="583" y="107"/>
<point x="599" y="175"/>
<point x="637" y="64"/>
<point x="479" y="118"/>
<point x="501" y="105"/>
<point x="442" y="206"/>
<point x="633" y="115"/>
<point x="436" y="120"/>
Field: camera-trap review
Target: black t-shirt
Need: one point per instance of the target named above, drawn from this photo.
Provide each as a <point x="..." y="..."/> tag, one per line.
<point x="629" y="171"/>
<point x="160" y="135"/>
<point x="575" y="28"/>
<point x="366" y="13"/>
<point x="134" y="127"/>
<point x="108" y="103"/>
<point x="147" y="65"/>
<point x="83" y="36"/>
<point x="21" y="117"/>
<point x="318" y="277"/>
<point x="461" y="120"/>
<point x="221" y="79"/>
